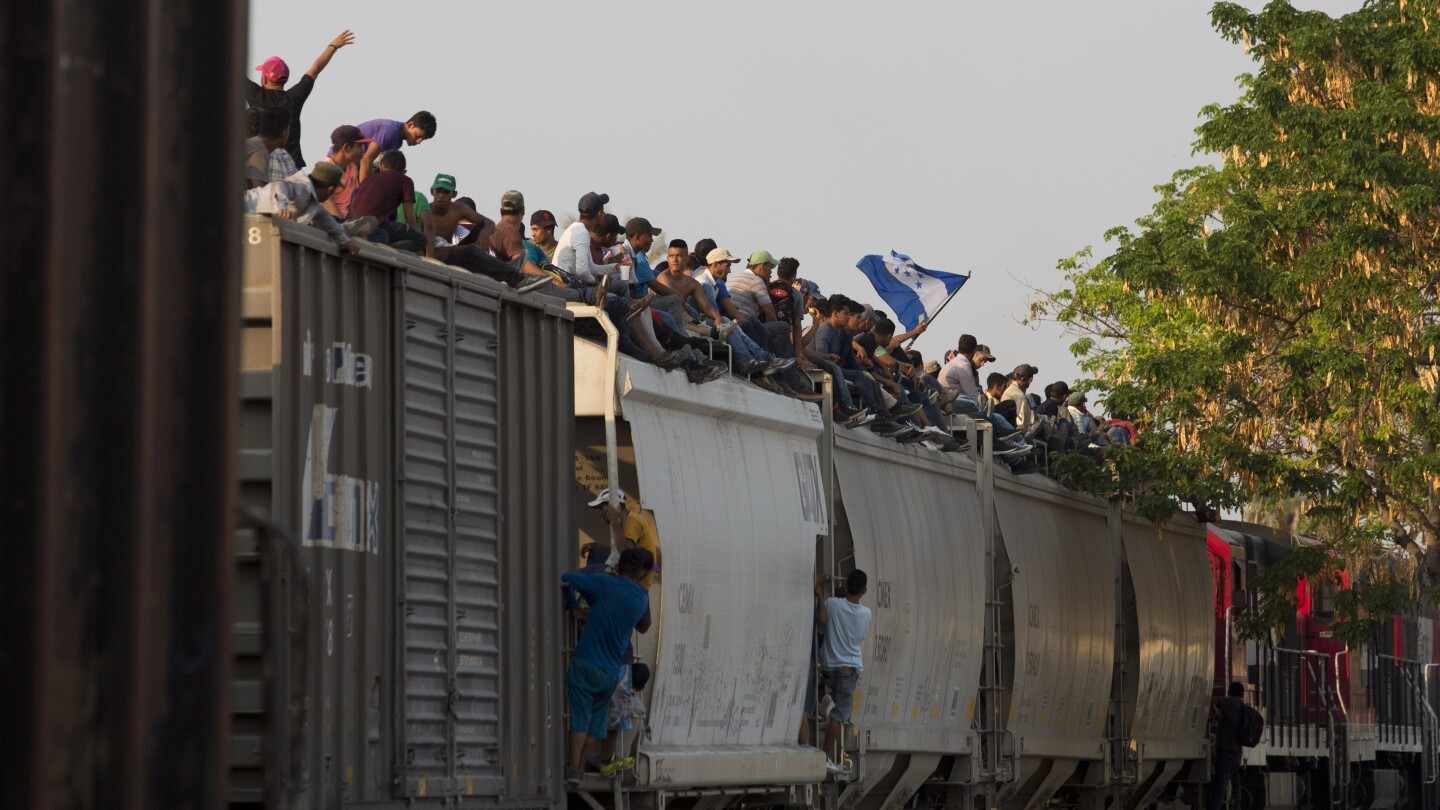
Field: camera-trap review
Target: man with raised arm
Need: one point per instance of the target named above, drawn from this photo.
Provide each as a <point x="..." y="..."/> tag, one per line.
<point x="271" y="92"/>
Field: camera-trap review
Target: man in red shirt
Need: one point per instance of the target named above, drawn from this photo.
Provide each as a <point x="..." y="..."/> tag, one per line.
<point x="381" y="195"/>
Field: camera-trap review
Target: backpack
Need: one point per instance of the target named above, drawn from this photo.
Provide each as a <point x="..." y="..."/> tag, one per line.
<point x="1252" y="726"/>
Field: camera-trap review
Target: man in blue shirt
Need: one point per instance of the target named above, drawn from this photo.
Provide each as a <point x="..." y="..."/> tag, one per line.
<point x="846" y="623"/>
<point x="617" y="606"/>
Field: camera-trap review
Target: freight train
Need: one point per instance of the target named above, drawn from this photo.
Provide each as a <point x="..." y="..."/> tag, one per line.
<point x="417" y="446"/>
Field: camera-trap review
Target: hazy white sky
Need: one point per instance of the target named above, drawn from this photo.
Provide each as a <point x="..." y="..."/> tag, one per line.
<point x="978" y="137"/>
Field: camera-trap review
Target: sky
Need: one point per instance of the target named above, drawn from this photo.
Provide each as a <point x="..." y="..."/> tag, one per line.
<point x="993" y="139"/>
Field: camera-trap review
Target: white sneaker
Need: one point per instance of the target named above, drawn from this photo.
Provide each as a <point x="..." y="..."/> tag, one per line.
<point x="831" y="767"/>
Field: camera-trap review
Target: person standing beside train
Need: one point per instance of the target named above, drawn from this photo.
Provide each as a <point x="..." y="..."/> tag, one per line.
<point x="1229" y="714"/>
<point x="846" y="623"/>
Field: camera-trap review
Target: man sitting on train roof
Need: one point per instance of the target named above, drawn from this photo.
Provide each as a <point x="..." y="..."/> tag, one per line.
<point x="1020" y="380"/>
<point x="1054" y="402"/>
<point x="448" y="213"/>
<point x="381" y="196"/>
<point x="618" y="605"/>
<point x="299" y="197"/>
<point x="845" y="410"/>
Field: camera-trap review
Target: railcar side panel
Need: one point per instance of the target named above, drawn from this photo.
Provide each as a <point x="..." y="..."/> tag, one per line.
<point x="733" y="478"/>
<point x="917" y="532"/>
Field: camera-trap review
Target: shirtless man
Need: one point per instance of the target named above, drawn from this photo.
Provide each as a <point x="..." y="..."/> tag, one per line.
<point x="676" y="281"/>
<point x="447" y="214"/>
<point x="750" y="359"/>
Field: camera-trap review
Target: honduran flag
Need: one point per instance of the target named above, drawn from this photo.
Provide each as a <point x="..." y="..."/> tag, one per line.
<point x="911" y="290"/>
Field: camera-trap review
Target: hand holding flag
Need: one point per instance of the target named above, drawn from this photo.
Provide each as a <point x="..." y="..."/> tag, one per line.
<point x="914" y="292"/>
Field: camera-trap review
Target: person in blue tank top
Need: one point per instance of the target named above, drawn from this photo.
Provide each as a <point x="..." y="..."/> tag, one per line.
<point x="617" y="607"/>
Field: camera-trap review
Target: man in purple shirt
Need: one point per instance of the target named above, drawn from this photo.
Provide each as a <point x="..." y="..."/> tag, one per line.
<point x="386" y="134"/>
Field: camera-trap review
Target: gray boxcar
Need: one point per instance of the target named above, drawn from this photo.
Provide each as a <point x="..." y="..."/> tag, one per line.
<point x="405" y="436"/>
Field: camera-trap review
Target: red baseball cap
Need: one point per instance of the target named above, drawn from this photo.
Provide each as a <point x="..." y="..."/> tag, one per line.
<point x="275" y="70"/>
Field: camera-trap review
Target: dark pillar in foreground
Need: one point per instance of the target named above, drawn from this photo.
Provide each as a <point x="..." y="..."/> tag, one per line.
<point x="118" y="334"/>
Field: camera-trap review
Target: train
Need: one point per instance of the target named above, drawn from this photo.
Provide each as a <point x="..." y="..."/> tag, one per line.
<point x="417" y="448"/>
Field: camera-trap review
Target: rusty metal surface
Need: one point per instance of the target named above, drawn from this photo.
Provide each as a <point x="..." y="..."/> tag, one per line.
<point x="117" y="353"/>
<point x="404" y="421"/>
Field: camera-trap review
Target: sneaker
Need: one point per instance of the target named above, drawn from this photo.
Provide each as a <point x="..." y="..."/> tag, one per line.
<point x="952" y="446"/>
<point x="639" y="305"/>
<point x="532" y="283"/>
<point x="724" y="331"/>
<point x="807" y="395"/>
<point x="599" y="299"/>
<point x="778" y="364"/>
<point x="884" y="427"/>
<point x="915" y="436"/>
<point x="944" y="398"/>
<point x="670" y="360"/>
<point x="1010" y="451"/>
<point x="361" y="228"/>
<point x="860" y="419"/>
<point x="573" y="776"/>
<point x="701" y="373"/>
<point x="617" y="765"/>
<point x="901" y="411"/>
<point x="832" y="768"/>
<point x="754" y="369"/>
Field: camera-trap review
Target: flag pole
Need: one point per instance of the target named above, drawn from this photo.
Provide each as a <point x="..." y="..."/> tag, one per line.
<point x="931" y="318"/>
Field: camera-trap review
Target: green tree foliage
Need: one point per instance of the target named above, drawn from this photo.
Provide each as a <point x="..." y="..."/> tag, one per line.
<point x="1272" y="323"/>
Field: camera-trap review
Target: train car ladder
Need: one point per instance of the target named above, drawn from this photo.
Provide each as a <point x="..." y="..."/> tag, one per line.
<point x="1430" y="741"/>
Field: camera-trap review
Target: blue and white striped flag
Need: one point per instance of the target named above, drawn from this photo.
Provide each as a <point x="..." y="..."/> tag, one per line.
<point x="911" y="290"/>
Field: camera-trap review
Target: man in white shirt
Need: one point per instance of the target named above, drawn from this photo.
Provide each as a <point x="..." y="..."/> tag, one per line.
<point x="846" y="624"/>
<point x="572" y="251"/>
<point x="958" y="373"/>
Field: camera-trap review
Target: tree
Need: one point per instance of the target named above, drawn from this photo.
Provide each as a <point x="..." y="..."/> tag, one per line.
<point x="1272" y="323"/>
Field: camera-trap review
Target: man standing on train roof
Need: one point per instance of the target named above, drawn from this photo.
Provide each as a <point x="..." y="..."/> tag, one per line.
<point x="846" y="623"/>
<point x="1229" y="711"/>
<point x="271" y="92"/>
<point x="617" y="606"/>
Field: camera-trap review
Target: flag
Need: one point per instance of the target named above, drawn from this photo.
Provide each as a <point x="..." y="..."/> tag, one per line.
<point x="911" y="290"/>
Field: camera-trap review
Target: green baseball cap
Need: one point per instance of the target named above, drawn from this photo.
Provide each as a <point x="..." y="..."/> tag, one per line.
<point x="760" y="257"/>
<point x="446" y="181"/>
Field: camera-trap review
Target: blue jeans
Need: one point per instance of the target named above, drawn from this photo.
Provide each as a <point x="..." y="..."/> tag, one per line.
<point x="747" y="352"/>
<point x="868" y="388"/>
<point x="841" y="392"/>
<point x="399" y="236"/>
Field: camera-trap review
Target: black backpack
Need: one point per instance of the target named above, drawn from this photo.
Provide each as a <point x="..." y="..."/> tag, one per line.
<point x="1252" y="726"/>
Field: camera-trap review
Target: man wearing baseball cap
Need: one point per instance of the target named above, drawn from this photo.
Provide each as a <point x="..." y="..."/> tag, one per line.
<point x="573" y="254"/>
<point x="271" y="92"/>
<point x="506" y="242"/>
<point x="1020" y="380"/>
<point x="300" y="198"/>
<point x="347" y="145"/>
<point x="542" y="235"/>
<point x="446" y="213"/>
